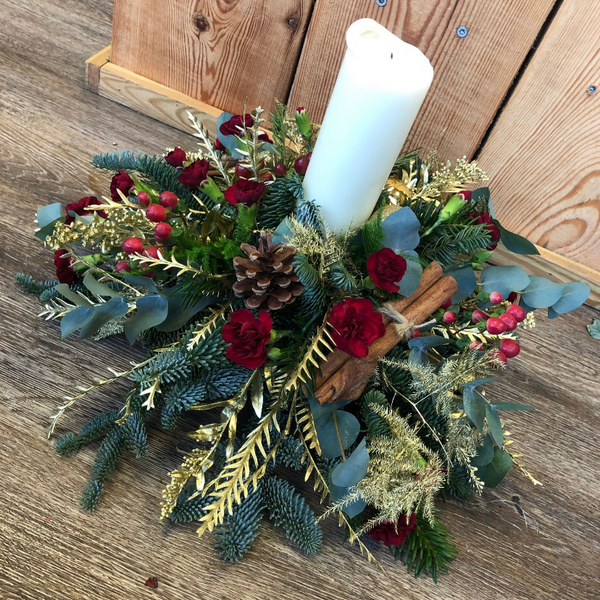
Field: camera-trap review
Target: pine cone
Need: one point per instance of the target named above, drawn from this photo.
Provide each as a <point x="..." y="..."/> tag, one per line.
<point x="266" y="279"/>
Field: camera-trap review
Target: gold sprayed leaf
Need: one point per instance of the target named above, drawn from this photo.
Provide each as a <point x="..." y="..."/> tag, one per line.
<point x="257" y="395"/>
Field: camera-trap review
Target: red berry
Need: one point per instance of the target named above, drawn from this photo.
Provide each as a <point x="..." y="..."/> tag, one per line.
<point x="495" y="326"/>
<point x="266" y="176"/>
<point x="496" y="298"/>
<point x="156" y="213"/>
<point x="510" y="347"/>
<point x="301" y="164"/>
<point x="446" y="304"/>
<point x="476" y="345"/>
<point x="168" y="200"/>
<point x="147" y="273"/>
<point x="478" y="315"/>
<point x="509" y="321"/>
<point x="280" y="170"/>
<point x="241" y="171"/>
<point x="162" y="231"/>
<point x="416" y="334"/>
<point x="122" y="266"/>
<point x="512" y="296"/>
<point x="143" y="198"/>
<point x="501" y="356"/>
<point x="151" y="252"/>
<point x="132" y="245"/>
<point x="517" y="312"/>
<point x="449" y="317"/>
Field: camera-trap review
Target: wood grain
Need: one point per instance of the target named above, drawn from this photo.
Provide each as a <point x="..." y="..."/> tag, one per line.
<point x="50" y="550"/>
<point x="472" y="74"/>
<point x="543" y="155"/>
<point x="216" y="52"/>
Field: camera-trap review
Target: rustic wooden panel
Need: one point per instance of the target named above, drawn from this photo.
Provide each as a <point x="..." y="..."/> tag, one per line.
<point x="472" y="74"/>
<point x="218" y="52"/>
<point x="543" y="155"/>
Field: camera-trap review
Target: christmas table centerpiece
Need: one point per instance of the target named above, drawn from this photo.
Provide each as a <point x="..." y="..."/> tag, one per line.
<point x="314" y="301"/>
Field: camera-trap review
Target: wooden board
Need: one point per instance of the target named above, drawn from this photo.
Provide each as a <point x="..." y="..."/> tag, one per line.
<point x="146" y="96"/>
<point x="50" y="550"/>
<point x="216" y="52"/>
<point x="543" y="154"/>
<point x="472" y="74"/>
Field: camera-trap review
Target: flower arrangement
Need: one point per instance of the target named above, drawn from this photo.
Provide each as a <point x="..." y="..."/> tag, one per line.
<point x="359" y="358"/>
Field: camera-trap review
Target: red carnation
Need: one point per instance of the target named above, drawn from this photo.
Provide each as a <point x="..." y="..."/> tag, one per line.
<point x="195" y="173"/>
<point x="79" y="208"/>
<point x="219" y="146"/>
<point x="386" y="268"/>
<point x="480" y="218"/>
<point x="121" y="181"/>
<point x="176" y="158"/>
<point x="244" y="191"/>
<point x="237" y="124"/>
<point x="248" y="336"/>
<point x="64" y="271"/>
<point x="355" y="326"/>
<point x="394" y="534"/>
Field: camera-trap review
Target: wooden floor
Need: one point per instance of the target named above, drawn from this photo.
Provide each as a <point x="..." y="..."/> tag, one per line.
<point x="49" y="128"/>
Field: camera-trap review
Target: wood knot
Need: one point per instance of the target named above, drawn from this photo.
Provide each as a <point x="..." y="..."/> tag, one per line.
<point x="293" y="22"/>
<point x="201" y="23"/>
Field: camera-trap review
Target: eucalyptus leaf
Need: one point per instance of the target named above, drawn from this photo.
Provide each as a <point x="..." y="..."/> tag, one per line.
<point x="330" y="435"/>
<point x="574" y="294"/>
<point x="511" y="406"/>
<point x="541" y="292"/>
<point x="419" y="346"/>
<point x="466" y="281"/>
<point x="141" y="281"/>
<point x="97" y="288"/>
<point x="504" y="280"/>
<point x="482" y="194"/>
<point x="594" y="329"/>
<point x="412" y="277"/>
<point x="485" y="453"/>
<point x="152" y="310"/>
<point x="494" y="424"/>
<point x="69" y="294"/>
<point x="401" y="230"/>
<point x="75" y="319"/>
<point x="477" y="382"/>
<point x="102" y="314"/>
<point x="47" y="217"/>
<point x="495" y="471"/>
<point x="353" y="469"/>
<point x="179" y="315"/>
<point x="353" y="509"/>
<point x="514" y="242"/>
<point x="475" y="407"/>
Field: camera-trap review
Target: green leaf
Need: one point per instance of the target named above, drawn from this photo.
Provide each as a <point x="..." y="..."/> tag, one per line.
<point x="102" y="314"/>
<point x="504" y="280"/>
<point x="466" y="281"/>
<point x="485" y="453"/>
<point x="481" y="194"/>
<point x="353" y="469"/>
<point x="494" y="424"/>
<point x="475" y="407"/>
<point x="141" y="281"/>
<point x="414" y="271"/>
<point x="401" y="230"/>
<point x="574" y="294"/>
<point x="330" y="435"/>
<point x="477" y="382"/>
<point x="77" y="299"/>
<point x="100" y="289"/>
<point x="482" y="255"/>
<point x="151" y="311"/>
<point x="47" y="217"/>
<point x="494" y="472"/>
<point x="419" y="346"/>
<point x="541" y="292"/>
<point x="179" y="314"/>
<point x="514" y="242"/>
<point x="337" y="493"/>
<point x="511" y="406"/>
<point x="74" y="320"/>
<point x="594" y="329"/>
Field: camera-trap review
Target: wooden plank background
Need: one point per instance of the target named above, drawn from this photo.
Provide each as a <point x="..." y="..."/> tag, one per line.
<point x="50" y="550"/>
<point x="472" y="74"/>
<point x="543" y="155"/>
<point x="217" y="52"/>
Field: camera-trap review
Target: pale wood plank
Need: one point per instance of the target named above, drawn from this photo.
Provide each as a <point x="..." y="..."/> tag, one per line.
<point x="472" y="74"/>
<point x="543" y="153"/>
<point x="217" y="52"/>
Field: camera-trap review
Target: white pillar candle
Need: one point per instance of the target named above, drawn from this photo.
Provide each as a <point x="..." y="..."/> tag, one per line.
<point x="379" y="90"/>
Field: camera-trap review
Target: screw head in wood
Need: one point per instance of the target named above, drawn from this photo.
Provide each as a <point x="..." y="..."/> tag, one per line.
<point x="381" y="2"/>
<point x="592" y="89"/>
<point x="462" y="32"/>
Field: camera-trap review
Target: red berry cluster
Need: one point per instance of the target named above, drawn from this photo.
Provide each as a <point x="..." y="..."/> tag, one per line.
<point x="157" y="213"/>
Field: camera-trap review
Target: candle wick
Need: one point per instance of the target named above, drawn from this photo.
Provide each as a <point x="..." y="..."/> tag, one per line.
<point x="392" y="55"/>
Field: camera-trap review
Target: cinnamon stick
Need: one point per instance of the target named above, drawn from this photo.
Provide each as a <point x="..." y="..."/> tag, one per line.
<point x="349" y="381"/>
<point x="337" y="358"/>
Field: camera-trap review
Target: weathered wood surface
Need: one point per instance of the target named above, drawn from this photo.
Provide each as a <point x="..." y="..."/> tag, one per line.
<point x="217" y="52"/>
<point x="472" y="74"/>
<point x="50" y="550"/>
<point x="543" y="153"/>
